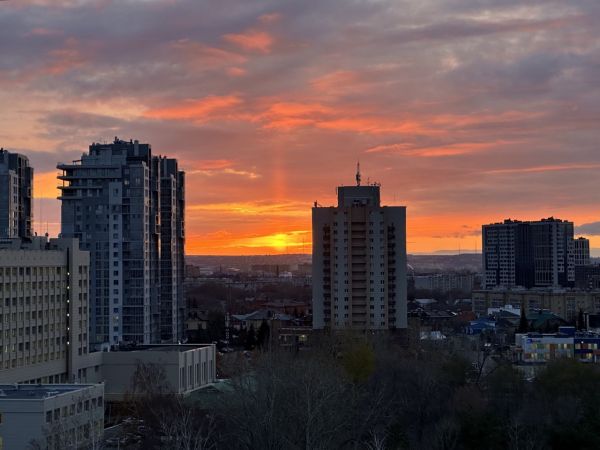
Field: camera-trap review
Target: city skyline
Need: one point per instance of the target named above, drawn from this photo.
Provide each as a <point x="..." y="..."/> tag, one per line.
<point x="467" y="112"/>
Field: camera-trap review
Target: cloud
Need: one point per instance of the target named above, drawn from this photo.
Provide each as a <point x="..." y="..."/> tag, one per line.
<point x="589" y="229"/>
<point x="198" y="110"/>
<point x="466" y="111"/>
<point x="548" y="168"/>
<point x="270" y="17"/>
<point x="254" y="40"/>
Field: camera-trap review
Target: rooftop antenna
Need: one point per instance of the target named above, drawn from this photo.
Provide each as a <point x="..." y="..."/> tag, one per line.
<point x="358" y="173"/>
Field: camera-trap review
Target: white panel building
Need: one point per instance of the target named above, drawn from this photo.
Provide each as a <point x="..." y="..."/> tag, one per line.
<point x="359" y="262"/>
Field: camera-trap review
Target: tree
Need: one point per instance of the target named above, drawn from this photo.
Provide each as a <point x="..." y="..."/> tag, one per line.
<point x="263" y="334"/>
<point x="359" y="362"/>
<point x="523" y="322"/>
<point x="250" y="342"/>
<point x="580" y="321"/>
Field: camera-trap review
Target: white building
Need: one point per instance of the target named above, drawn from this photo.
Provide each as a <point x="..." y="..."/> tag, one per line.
<point x="186" y="367"/>
<point x="51" y="416"/>
<point x="44" y="312"/>
<point x="359" y="262"/>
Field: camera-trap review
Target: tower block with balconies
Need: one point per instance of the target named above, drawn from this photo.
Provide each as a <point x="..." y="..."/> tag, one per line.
<point x="359" y="262"/>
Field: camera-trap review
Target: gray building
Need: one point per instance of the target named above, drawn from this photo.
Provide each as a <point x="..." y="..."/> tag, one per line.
<point x="44" y="312"/>
<point x="445" y="282"/>
<point x="528" y="254"/>
<point x="16" y="195"/>
<point x="52" y="417"/>
<point x="581" y="249"/>
<point x="114" y="201"/>
<point x="359" y="262"/>
<point x="186" y="368"/>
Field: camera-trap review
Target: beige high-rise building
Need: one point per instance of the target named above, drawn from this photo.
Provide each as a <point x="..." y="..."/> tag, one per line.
<point x="44" y="312"/>
<point x="359" y="262"/>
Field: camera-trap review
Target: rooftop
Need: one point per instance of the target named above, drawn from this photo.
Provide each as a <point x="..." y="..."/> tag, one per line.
<point x="38" y="391"/>
<point x="160" y="347"/>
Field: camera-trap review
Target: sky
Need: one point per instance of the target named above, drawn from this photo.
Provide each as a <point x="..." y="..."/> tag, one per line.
<point x="466" y="111"/>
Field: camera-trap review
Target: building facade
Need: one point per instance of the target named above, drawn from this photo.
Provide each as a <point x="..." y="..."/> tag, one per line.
<point x="16" y="195"/>
<point x="581" y="249"/>
<point x="44" y="311"/>
<point x="565" y="303"/>
<point x="359" y="262"/>
<point x="52" y="417"/>
<point x="113" y="201"/>
<point x="186" y="367"/>
<point x="445" y="282"/>
<point x="528" y="254"/>
<point x="587" y="277"/>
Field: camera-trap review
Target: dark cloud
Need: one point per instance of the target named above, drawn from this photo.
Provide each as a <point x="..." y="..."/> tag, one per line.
<point x="589" y="229"/>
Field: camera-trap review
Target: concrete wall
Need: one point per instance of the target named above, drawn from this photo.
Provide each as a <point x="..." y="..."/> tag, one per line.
<point x="185" y="371"/>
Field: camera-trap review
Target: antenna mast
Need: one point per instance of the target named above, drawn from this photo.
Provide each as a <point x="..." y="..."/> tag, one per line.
<point x="358" y="173"/>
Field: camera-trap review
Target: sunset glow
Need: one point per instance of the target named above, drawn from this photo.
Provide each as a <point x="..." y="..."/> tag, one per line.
<point x="467" y="112"/>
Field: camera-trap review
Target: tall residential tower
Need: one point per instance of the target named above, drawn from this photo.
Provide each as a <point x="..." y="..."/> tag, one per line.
<point x="16" y="194"/>
<point x="126" y="207"/>
<point x="359" y="262"/>
<point x="529" y="254"/>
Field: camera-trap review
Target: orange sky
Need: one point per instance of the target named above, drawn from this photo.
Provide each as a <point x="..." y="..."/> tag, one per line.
<point x="467" y="112"/>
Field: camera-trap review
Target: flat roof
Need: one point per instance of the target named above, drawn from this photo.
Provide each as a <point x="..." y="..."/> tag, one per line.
<point x="38" y="391"/>
<point x="161" y="348"/>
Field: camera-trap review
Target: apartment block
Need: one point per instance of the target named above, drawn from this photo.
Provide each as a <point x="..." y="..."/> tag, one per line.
<point x="528" y="254"/>
<point x="114" y="200"/>
<point x="359" y="262"/>
<point x="581" y="250"/>
<point x="16" y="195"/>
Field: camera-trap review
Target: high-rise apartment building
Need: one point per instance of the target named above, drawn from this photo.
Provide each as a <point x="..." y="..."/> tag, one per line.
<point x="43" y="311"/>
<point x="581" y="249"/>
<point x="528" y="254"/>
<point x="16" y="194"/>
<point x="172" y="251"/>
<point x="114" y="201"/>
<point x="359" y="262"/>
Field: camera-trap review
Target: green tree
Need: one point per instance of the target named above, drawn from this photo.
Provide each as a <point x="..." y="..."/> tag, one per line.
<point x="359" y="362"/>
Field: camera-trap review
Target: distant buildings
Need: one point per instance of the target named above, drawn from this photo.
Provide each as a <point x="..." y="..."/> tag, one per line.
<point x="565" y="303"/>
<point x="126" y="207"/>
<point x="359" y="262"/>
<point x="537" y="348"/>
<point x="581" y="251"/>
<point x="445" y="282"/>
<point x="16" y="195"/>
<point x="531" y="254"/>
<point x="587" y="277"/>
